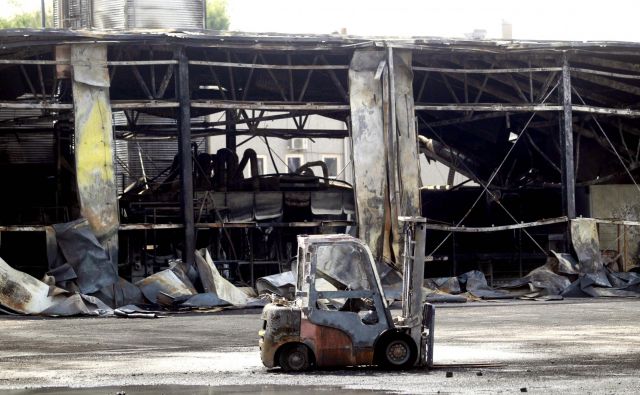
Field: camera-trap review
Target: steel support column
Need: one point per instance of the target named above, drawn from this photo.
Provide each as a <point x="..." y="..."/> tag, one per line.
<point x="566" y="139"/>
<point x="186" y="162"/>
<point x="93" y="145"/>
<point x="385" y="149"/>
<point x="230" y="128"/>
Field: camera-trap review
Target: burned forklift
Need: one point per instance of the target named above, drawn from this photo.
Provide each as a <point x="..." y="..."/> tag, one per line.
<point x="340" y="316"/>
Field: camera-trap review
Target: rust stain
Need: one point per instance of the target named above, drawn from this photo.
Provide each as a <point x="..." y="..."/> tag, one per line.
<point x="332" y="347"/>
<point x="364" y="356"/>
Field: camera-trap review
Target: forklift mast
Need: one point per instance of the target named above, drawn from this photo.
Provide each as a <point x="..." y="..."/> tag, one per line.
<point x="419" y="317"/>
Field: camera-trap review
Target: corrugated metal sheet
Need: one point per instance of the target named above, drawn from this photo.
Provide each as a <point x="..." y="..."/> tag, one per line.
<point x="119" y="119"/>
<point x="26" y="116"/>
<point x="167" y="14"/>
<point x="74" y="14"/>
<point x="129" y="14"/>
<point x="27" y="148"/>
<point x="108" y="14"/>
<point x="156" y="155"/>
<point x="121" y="152"/>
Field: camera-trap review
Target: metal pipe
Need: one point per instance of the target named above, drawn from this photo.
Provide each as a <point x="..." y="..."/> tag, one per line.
<point x="42" y="14"/>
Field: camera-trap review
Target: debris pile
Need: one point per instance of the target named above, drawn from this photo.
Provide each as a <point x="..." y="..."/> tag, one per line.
<point x="83" y="281"/>
<point x="589" y="274"/>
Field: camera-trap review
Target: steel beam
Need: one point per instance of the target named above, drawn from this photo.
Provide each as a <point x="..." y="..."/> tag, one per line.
<point x="566" y="137"/>
<point x="186" y="164"/>
<point x="230" y="130"/>
<point x="93" y="142"/>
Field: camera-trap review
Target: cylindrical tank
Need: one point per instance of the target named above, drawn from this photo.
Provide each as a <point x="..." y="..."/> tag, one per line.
<point x="129" y="14"/>
<point x="108" y="14"/>
<point x="167" y="14"/>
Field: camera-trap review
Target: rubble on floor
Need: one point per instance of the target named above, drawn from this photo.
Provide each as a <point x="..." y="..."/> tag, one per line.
<point x="561" y="276"/>
<point x="83" y="281"/>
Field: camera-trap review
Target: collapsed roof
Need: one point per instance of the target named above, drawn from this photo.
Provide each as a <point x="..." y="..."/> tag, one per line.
<point x="473" y="99"/>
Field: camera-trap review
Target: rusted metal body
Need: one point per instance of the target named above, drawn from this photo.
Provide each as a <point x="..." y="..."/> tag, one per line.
<point x="340" y="316"/>
<point x="281" y="325"/>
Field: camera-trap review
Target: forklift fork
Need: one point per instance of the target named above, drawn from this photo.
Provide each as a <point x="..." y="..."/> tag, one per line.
<point x="427" y="333"/>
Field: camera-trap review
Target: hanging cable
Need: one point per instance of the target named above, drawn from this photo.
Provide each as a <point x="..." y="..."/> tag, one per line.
<point x="496" y="171"/>
<point x="477" y="179"/>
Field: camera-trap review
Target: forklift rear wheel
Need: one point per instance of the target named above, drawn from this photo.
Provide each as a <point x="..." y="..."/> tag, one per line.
<point x="397" y="353"/>
<point x="294" y="358"/>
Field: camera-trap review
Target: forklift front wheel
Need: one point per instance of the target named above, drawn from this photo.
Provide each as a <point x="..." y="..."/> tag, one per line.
<point x="397" y="352"/>
<point x="294" y="358"/>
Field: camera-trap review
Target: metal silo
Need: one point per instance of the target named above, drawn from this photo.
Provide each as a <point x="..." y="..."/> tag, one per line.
<point x="129" y="14"/>
<point x="108" y="14"/>
<point x="167" y="14"/>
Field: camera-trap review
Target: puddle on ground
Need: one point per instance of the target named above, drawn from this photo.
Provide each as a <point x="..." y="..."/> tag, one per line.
<point x="190" y="389"/>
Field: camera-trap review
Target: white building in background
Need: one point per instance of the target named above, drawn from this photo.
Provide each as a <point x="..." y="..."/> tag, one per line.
<point x="436" y="174"/>
<point x="289" y="155"/>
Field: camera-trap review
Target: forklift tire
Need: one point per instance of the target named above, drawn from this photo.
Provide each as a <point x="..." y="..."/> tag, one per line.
<point x="294" y="358"/>
<point x="396" y="352"/>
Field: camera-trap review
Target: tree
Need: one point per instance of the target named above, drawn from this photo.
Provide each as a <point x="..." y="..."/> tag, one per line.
<point x="217" y="18"/>
<point x="25" y="18"/>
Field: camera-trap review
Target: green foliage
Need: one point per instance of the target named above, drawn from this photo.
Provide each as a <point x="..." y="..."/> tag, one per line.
<point x="217" y="18"/>
<point x="25" y="19"/>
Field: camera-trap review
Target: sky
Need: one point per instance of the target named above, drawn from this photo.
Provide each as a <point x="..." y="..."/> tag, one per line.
<point x="586" y="20"/>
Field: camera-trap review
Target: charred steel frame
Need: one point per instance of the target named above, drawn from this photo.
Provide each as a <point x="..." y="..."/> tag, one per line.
<point x="521" y="89"/>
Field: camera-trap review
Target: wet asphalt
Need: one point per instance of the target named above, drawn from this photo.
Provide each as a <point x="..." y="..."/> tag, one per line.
<point x="572" y="346"/>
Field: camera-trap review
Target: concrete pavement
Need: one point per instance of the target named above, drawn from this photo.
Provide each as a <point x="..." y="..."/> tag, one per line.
<point x="576" y="346"/>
